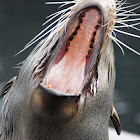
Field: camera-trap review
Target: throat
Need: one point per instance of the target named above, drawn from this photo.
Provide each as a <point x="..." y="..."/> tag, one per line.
<point x="70" y="67"/>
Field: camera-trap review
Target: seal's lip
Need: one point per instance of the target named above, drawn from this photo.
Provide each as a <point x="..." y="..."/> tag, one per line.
<point x="92" y="64"/>
<point x="54" y="92"/>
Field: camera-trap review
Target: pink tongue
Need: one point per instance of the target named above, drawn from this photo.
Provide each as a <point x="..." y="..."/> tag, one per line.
<point x="71" y="64"/>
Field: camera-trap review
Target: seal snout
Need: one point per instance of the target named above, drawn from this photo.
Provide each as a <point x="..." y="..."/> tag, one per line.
<point x="78" y="53"/>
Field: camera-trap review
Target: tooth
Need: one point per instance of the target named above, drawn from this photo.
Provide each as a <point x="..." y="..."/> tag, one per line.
<point x="48" y="84"/>
<point x="67" y="91"/>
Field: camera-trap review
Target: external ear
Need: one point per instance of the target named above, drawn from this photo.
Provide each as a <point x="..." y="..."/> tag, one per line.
<point x="7" y="87"/>
<point x="115" y="119"/>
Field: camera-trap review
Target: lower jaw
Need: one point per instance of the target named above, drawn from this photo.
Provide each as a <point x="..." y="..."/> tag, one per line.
<point x="70" y="67"/>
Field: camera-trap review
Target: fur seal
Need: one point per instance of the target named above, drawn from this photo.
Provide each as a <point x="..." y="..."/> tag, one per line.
<point x="64" y="89"/>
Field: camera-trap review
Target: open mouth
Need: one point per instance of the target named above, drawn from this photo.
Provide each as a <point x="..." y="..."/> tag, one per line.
<point x="74" y="61"/>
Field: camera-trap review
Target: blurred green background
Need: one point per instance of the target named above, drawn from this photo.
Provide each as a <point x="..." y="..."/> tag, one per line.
<point x="21" y="20"/>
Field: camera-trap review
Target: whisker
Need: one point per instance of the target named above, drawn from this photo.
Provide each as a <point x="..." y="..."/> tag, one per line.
<point x="17" y="67"/>
<point x="131" y="26"/>
<point x="120" y="14"/>
<point x="126" y="33"/>
<point x="106" y="24"/>
<point x="131" y="10"/>
<point x="113" y="38"/>
<point x="127" y="46"/>
<point x="44" y="35"/>
<point x="126" y="25"/>
<point x="46" y="28"/>
<point x="60" y="12"/>
<point x="112" y="31"/>
<point x="120" y="5"/>
<point x="54" y="17"/>
<point x="137" y="19"/>
<point x="124" y="11"/>
<point x="34" y="40"/>
<point x="135" y="28"/>
<point x="21" y="62"/>
<point x="119" y="2"/>
<point x="64" y="2"/>
<point x="119" y="19"/>
<point x="64" y="5"/>
<point x="64" y="14"/>
<point x="129" y="6"/>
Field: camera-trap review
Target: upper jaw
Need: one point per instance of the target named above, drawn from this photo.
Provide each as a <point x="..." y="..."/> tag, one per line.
<point x="91" y="74"/>
<point x="107" y="7"/>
